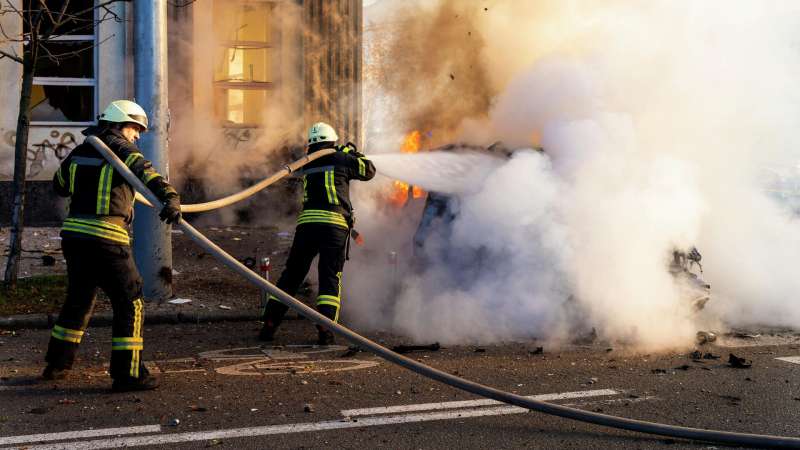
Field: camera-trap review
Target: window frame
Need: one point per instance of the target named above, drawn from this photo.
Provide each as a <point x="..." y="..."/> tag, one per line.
<point x="219" y="87"/>
<point x="68" y="81"/>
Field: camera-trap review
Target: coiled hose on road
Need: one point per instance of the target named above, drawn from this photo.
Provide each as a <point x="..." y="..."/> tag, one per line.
<point x="239" y="196"/>
<point x="723" y="437"/>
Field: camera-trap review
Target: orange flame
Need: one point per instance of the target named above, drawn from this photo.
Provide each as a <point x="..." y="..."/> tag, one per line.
<point x="399" y="195"/>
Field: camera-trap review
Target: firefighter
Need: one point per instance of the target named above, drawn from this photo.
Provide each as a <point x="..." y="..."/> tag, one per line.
<point x="97" y="249"/>
<point x="323" y="227"/>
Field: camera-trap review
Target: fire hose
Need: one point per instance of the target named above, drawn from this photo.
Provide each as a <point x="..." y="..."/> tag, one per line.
<point x="239" y="196"/>
<point x="723" y="437"/>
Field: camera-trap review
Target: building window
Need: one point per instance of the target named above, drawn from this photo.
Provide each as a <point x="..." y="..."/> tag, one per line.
<point x="65" y="83"/>
<point x="243" y="60"/>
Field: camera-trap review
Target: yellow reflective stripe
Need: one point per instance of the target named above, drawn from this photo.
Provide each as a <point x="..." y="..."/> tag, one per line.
<point x="60" y="177"/>
<point x="132" y="158"/>
<point x="321" y="220"/>
<point x="362" y="168"/>
<point x="72" y="168"/>
<point x="104" y="190"/>
<point x="94" y="231"/>
<point x="105" y="226"/>
<point x="333" y="298"/>
<point x="148" y="177"/>
<point x="305" y="189"/>
<point x="136" y="340"/>
<point x="137" y="333"/>
<point x="327" y="188"/>
<point x="66" y="334"/>
<point x="321" y="212"/>
<point x="134" y="358"/>
<point x="98" y="223"/>
<point x="332" y="196"/>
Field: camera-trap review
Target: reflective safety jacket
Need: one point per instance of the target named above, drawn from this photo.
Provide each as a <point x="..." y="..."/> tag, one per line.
<point x="326" y="186"/>
<point x="101" y="201"/>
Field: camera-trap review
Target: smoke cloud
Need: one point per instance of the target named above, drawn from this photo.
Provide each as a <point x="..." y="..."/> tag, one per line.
<point x="657" y="120"/>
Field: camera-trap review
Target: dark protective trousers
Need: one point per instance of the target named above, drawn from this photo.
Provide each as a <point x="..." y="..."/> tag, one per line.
<point x="310" y="239"/>
<point x="92" y="264"/>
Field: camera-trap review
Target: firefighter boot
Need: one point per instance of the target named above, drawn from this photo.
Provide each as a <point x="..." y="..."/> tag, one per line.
<point x="145" y="382"/>
<point x="325" y="337"/>
<point x="52" y="373"/>
<point x="267" y="333"/>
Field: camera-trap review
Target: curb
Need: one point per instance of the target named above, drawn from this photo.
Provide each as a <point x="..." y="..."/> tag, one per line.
<point x="105" y="319"/>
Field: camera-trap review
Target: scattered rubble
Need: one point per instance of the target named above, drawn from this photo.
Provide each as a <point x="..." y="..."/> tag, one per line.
<point x="174" y="422"/>
<point x="536" y="351"/>
<point x="739" y="363"/>
<point x="179" y="301"/>
<point x="308" y="408"/>
<point x="704" y="337"/>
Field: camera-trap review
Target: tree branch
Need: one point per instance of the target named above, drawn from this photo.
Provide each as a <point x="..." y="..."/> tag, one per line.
<point x="14" y="58"/>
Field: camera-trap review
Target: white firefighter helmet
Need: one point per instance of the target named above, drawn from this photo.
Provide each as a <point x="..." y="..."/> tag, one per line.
<point x="321" y="132"/>
<point x="125" y="111"/>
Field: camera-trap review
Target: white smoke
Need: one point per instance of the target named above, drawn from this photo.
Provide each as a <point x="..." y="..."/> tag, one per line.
<point x="656" y="118"/>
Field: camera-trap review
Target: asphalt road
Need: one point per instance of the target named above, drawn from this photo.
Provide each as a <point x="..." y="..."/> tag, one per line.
<point x="221" y="388"/>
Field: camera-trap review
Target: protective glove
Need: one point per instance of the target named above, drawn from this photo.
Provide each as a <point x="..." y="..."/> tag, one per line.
<point x="171" y="212"/>
<point x="351" y="149"/>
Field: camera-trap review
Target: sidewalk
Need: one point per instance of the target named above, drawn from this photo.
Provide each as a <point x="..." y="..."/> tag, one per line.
<point x="214" y="293"/>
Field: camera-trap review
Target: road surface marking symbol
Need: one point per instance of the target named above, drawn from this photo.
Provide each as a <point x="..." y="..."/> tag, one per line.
<point x="360" y="422"/>
<point x="470" y="403"/>
<point x="102" y="432"/>
<point x="790" y="359"/>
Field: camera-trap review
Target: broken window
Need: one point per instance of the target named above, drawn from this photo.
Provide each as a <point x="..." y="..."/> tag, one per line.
<point x="243" y="60"/>
<point x="64" y="83"/>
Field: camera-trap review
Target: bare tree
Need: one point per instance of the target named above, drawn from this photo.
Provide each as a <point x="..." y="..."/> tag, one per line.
<point x="42" y="21"/>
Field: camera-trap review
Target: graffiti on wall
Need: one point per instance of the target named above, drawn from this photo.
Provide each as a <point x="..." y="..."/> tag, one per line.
<point x="43" y="154"/>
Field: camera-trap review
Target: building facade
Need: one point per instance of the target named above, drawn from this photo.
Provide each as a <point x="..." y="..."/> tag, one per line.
<point x="246" y="77"/>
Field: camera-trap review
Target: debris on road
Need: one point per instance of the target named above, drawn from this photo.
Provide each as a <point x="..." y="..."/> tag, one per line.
<point x="308" y="408"/>
<point x="536" y="351"/>
<point x="741" y="335"/>
<point x="683" y="367"/>
<point x="696" y="355"/>
<point x="416" y="348"/>
<point x="174" y="422"/>
<point x="704" y="337"/>
<point x="480" y="350"/>
<point x="225" y="307"/>
<point x="39" y="410"/>
<point x="739" y="363"/>
<point x="179" y="301"/>
<point x="659" y="371"/>
<point x="593" y="380"/>
<point x="196" y="408"/>
<point x="710" y="356"/>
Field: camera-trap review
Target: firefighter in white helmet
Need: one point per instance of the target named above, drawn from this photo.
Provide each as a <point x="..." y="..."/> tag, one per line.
<point x="323" y="227"/>
<point x="96" y="245"/>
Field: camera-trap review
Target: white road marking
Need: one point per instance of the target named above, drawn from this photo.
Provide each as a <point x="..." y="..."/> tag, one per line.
<point x="790" y="359"/>
<point x="79" y="434"/>
<point x="470" y="403"/>
<point x="278" y="429"/>
<point x="173" y="438"/>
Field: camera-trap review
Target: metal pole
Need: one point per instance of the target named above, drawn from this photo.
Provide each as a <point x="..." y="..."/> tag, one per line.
<point x="152" y="247"/>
